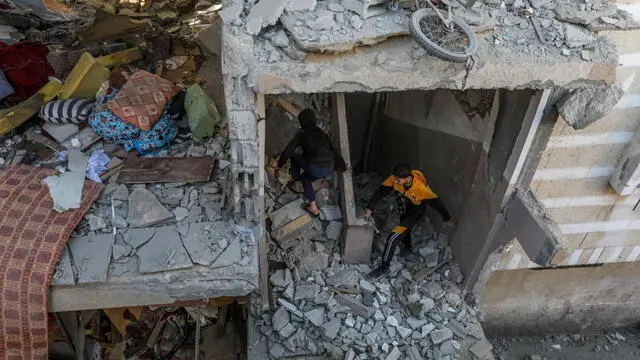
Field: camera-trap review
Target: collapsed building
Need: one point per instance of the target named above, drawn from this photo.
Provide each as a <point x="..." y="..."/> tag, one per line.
<point x="486" y="134"/>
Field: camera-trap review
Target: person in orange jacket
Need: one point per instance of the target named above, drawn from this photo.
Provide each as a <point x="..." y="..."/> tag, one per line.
<point x="413" y="194"/>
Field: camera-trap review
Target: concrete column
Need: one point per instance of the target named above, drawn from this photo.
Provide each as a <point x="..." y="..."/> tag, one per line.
<point x="357" y="234"/>
<point x="626" y="177"/>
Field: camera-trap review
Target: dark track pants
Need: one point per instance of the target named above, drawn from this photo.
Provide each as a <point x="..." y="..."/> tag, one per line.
<point x="402" y="233"/>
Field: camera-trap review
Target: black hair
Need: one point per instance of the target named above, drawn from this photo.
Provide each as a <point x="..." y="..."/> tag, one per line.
<point x="307" y="119"/>
<point x="402" y="170"/>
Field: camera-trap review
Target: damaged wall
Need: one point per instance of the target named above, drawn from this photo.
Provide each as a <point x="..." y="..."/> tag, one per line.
<point x="572" y="180"/>
<point x="430" y="131"/>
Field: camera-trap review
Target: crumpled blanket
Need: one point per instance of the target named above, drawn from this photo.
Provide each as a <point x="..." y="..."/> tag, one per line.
<point x="25" y="66"/>
<point x="116" y="130"/>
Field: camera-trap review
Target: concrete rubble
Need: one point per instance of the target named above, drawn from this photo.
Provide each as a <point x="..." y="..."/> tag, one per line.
<point x="332" y="311"/>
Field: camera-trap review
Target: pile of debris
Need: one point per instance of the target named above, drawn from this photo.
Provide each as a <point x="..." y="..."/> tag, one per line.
<point x="322" y="306"/>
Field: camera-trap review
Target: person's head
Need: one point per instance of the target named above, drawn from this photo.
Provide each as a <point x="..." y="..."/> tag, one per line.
<point x="307" y="119"/>
<point x="402" y="174"/>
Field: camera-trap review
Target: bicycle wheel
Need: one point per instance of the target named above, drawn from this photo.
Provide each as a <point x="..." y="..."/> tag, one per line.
<point x="437" y="39"/>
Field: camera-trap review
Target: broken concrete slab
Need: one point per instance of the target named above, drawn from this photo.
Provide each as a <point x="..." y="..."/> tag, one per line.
<point x="287" y="213"/>
<point x="145" y="209"/>
<point x="330" y="213"/>
<point x="265" y="13"/>
<point x="313" y="33"/>
<point x="333" y="231"/>
<point x="395" y="354"/>
<point x="121" y="193"/>
<point x="231" y="12"/>
<point x="346" y="277"/>
<point x="481" y="349"/>
<point x="290" y="307"/>
<point x="575" y="36"/>
<point x="281" y="278"/>
<point x="301" y="5"/>
<point x="91" y="256"/>
<point x="574" y="14"/>
<point x="441" y="335"/>
<point x="206" y="241"/>
<point x="138" y="237"/>
<point x="306" y="290"/>
<point x="356" y="307"/>
<point x="63" y="274"/>
<point x="280" y="319"/>
<point x="583" y="107"/>
<point x="163" y="252"/>
<point x="331" y="328"/>
<point x="60" y="132"/>
<point x="66" y="189"/>
<point x="316" y="316"/>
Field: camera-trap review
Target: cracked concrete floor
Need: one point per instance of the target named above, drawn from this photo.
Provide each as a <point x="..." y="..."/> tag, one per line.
<point x="603" y="345"/>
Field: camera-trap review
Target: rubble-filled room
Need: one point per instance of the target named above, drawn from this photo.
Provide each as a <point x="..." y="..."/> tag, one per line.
<point x="114" y="163"/>
<point x="419" y="308"/>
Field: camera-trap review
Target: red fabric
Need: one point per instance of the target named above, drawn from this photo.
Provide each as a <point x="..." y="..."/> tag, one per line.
<point x="25" y="66"/>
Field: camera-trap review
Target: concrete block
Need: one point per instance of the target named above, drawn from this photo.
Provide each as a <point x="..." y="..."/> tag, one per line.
<point x="287" y="213"/>
<point x="395" y="354"/>
<point x="331" y="328"/>
<point x="301" y="5"/>
<point x="281" y="278"/>
<point x="357" y="244"/>
<point x="306" y="291"/>
<point x="280" y="319"/>
<point x="330" y="213"/>
<point x="481" y="349"/>
<point x="232" y="11"/>
<point x="626" y="176"/>
<point x="583" y="107"/>
<point x="316" y="316"/>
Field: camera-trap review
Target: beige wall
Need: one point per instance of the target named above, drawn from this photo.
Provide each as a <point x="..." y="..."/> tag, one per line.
<point x="572" y="178"/>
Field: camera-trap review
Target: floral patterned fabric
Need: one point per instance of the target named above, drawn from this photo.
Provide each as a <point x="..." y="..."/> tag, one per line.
<point x="142" y="98"/>
<point x="114" y="129"/>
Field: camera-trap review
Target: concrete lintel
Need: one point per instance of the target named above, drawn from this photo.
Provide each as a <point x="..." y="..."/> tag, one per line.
<point x="391" y="67"/>
<point x="357" y="234"/>
<point x="626" y="177"/>
<point x="538" y="234"/>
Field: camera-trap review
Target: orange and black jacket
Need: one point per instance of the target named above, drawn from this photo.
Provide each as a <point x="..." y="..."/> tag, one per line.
<point x="418" y="194"/>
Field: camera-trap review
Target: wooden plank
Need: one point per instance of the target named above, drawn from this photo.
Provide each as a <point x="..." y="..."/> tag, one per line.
<point x="169" y="169"/>
<point x="289" y="107"/>
<point x="116" y="315"/>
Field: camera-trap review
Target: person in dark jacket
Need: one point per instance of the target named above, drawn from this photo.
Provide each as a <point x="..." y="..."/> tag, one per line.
<point x="412" y="193"/>
<point x="318" y="159"/>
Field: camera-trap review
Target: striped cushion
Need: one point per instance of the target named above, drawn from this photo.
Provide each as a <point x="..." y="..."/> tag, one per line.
<point x="67" y="111"/>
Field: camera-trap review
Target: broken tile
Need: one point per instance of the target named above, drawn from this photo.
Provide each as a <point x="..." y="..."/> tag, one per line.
<point x="163" y="252"/>
<point x="63" y="274"/>
<point x="91" y="256"/>
<point x="121" y="193"/>
<point x="145" y="209"/>
<point x="231" y="255"/>
<point x="66" y="189"/>
<point x="206" y="241"/>
<point x="60" y="132"/>
<point x="138" y="237"/>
